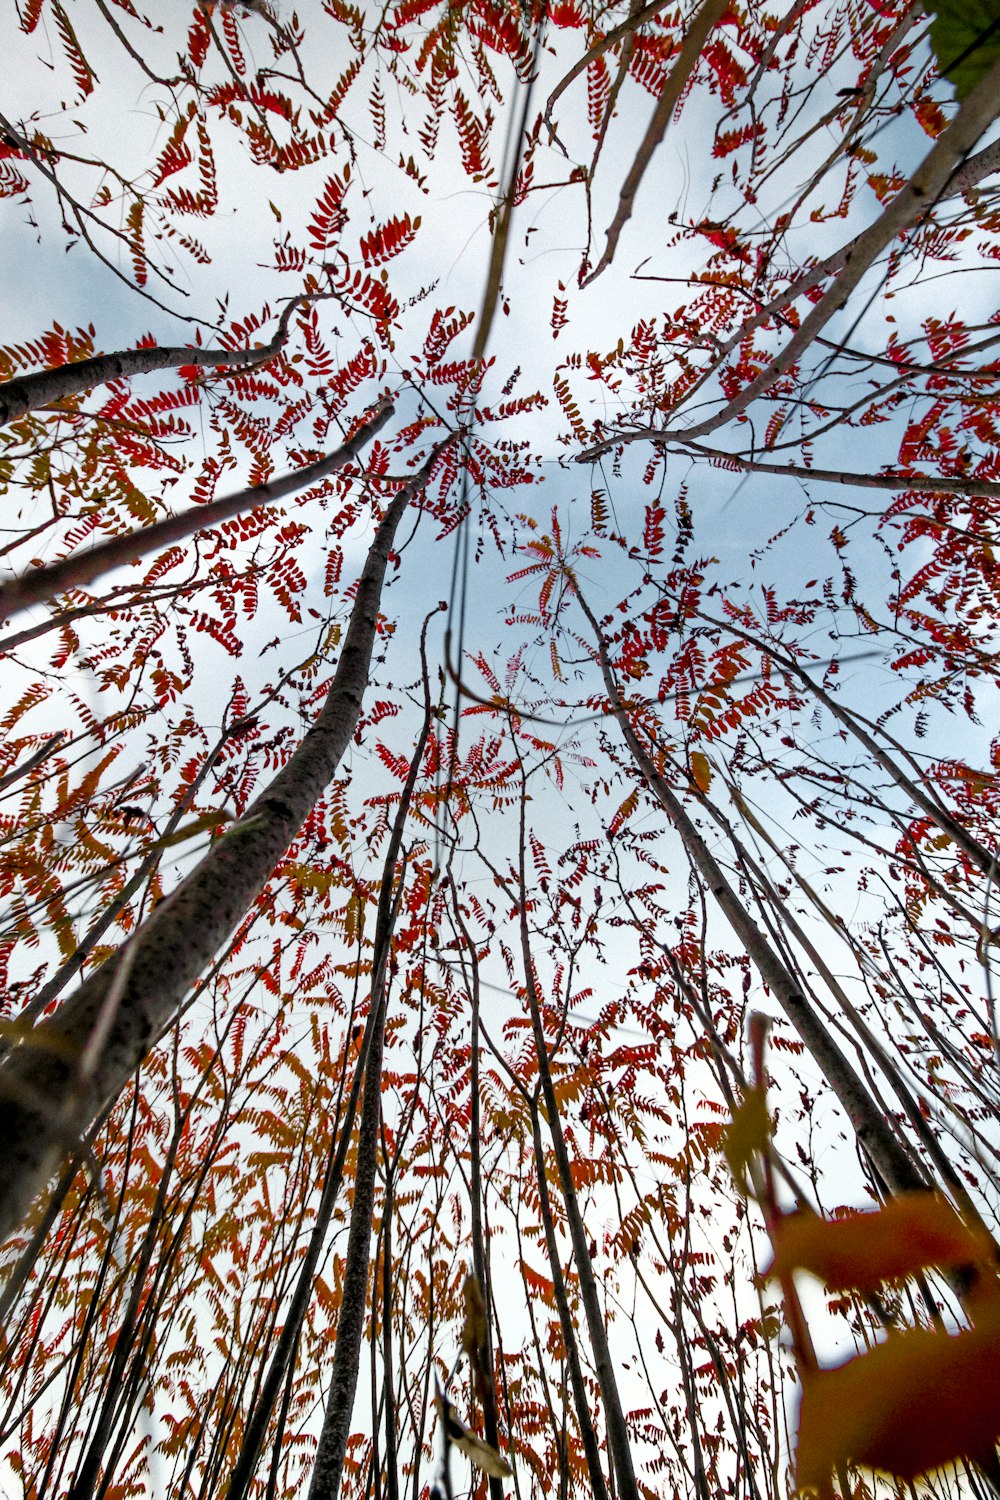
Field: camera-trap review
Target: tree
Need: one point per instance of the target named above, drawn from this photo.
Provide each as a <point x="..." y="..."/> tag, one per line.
<point x="375" y="1053"/>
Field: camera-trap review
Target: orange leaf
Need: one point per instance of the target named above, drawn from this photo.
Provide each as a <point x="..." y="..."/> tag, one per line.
<point x="912" y="1231"/>
<point x="701" y="771"/>
<point x="919" y="1400"/>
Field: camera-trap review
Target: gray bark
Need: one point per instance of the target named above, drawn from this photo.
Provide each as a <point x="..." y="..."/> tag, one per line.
<point x="696" y="32"/>
<point x="42" y="387"/>
<point x="283" y="1353"/>
<point x="581" y="1396"/>
<point x="482" y="1370"/>
<point x="27" y="766"/>
<point x="922" y="484"/>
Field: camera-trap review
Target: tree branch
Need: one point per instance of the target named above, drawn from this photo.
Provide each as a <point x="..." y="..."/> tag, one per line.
<point x="976" y="113"/>
<point x="924" y="484"/>
<point x="696" y="34"/>
<point x="28" y="392"/>
<point x="890" y="1156"/>
<point x="83" y="567"/>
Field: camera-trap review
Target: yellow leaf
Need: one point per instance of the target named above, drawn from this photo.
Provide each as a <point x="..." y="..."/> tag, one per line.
<point x="314" y="877"/>
<point x="701" y="771"/>
<point x="46" y="1041"/>
<point x="354" y="919"/>
<point x="466" y="1441"/>
<point x="913" y="1231"/>
<point x="749" y="1133"/>
<point x="920" y="1400"/>
<point x="204" y="821"/>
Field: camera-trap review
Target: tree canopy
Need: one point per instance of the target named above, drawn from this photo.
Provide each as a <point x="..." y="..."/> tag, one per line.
<point x="499" y="776"/>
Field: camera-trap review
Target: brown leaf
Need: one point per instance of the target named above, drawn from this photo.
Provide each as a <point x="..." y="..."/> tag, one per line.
<point x="701" y="771"/>
<point x="920" y="1400"/>
<point x="749" y="1133"/>
<point x="482" y="1454"/>
<point x="474" y="1327"/>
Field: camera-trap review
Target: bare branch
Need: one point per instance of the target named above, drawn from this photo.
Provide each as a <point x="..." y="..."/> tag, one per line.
<point x="924" y="484"/>
<point x="28" y="392"/>
<point x="695" y="37"/>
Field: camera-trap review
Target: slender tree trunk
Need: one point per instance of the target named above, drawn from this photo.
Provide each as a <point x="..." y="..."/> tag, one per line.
<point x="696" y="32"/>
<point x="59" y="1449"/>
<point x="329" y="1464"/>
<point x="283" y="1351"/>
<point x="947" y="1173"/>
<point x="53" y="987"/>
<point x="923" y="484"/>
<point x="975" y="115"/>
<point x="943" y="173"/>
<point x="479" y="1259"/>
<point x="28" y="765"/>
<point x="58" y="1079"/>
<point x="85" y="1479"/>
<point x="388" y="1364"/>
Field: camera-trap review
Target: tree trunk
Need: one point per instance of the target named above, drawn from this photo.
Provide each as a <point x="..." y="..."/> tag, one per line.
<point x="889" y="1155"/>
<point x="332" y="1448"/>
